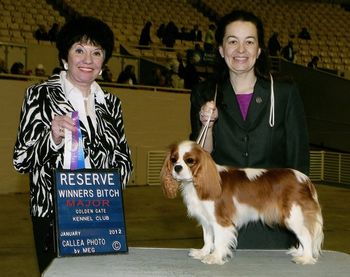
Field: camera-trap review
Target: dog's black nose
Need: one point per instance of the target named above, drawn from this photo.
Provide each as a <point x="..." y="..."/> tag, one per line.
<point x="177" y="168"/>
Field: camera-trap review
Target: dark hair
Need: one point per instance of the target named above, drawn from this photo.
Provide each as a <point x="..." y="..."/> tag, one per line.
<point x="148" y="24"/>
<point x="315" y="58"/>
<point x="106" y="75"/>
<point x="129" y="68"/>
<point x="85" y="29"/>
<point x="56" y="70"/>
<point x="262" y="66"/>
<point x="16" y="68"/>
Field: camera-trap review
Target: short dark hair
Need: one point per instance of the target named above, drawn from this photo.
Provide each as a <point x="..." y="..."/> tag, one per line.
<point x="261" y="67"/>
<point x="85" y="29"/>
<point x="16" y="67"/>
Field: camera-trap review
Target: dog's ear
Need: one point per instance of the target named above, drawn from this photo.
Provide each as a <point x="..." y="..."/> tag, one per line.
<point x="206" y="177"/>
<point x="168" y="183"/>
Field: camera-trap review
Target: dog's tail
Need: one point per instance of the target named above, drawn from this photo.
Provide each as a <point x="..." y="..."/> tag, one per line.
<point x="317" y="236"/>
<point x="317" y="226"/>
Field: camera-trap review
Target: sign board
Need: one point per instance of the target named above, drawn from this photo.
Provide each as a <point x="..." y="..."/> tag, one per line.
<point x="89" y="212"/>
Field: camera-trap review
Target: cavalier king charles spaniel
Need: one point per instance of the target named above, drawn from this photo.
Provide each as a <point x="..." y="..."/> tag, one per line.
<point x="223" y="199"/>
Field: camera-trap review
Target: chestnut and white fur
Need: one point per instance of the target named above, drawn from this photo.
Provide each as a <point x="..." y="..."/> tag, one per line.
<point x="223" y="199"/>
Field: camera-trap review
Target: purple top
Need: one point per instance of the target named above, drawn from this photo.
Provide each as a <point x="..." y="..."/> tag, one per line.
<point x="244" y="101"/>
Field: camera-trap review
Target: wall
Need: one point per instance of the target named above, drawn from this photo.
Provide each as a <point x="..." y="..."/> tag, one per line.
<point x="153" y="120"/>
<point x="11" y="100"/>
<point x="326" y="99"/>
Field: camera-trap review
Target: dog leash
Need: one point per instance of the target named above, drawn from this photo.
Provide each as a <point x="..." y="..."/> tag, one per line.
<point x="204" y="130"/>
<point x="272" y="105"/>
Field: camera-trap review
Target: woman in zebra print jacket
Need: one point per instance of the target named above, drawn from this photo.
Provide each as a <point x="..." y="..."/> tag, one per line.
<point x="84" y="45"/>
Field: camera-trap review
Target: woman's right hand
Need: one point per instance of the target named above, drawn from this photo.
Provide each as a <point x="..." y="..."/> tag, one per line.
<point x="208" y="110"/>
<point x="58" y="126"/>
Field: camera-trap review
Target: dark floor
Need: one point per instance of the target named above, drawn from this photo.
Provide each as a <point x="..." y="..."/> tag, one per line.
<point x="152" y="221"/>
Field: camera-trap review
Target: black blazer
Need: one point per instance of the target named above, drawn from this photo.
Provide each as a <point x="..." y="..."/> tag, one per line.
<point x="253" y="142"/>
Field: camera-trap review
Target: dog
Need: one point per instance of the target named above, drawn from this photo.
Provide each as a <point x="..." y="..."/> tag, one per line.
<point x="224" y="198"/>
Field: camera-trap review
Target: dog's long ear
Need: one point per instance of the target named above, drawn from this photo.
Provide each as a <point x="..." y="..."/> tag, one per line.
<point x="168" y="183"/>
<point x="206" y="177"/>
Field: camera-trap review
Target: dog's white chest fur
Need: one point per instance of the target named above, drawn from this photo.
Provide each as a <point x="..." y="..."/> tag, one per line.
<point x="199" y="209"/>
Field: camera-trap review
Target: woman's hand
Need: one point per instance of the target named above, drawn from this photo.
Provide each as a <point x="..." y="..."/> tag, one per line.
<point x="58" y="126"/>
<point x="205" y="111"/>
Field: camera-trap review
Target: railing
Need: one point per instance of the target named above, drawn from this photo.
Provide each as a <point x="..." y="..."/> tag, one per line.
<point x="331" y="167"/>
<point x="13" y="52"/>
<point x="143" y="87"/>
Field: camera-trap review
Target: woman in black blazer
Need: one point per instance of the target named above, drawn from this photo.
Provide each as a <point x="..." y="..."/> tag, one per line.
<point x="256" y="121"/>
<point x="84" y="45"/>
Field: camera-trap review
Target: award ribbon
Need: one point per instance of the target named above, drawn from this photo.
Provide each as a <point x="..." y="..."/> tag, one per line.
<point x="77" y="152"/>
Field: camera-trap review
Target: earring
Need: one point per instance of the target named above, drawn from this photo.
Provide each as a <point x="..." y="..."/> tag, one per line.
<point x="100" y="73"/>
<point x="65" y="65"/>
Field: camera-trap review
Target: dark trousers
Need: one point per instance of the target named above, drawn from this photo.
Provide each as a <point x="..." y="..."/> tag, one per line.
<point x="259" y="236"/>
<point x="43" y="230"/>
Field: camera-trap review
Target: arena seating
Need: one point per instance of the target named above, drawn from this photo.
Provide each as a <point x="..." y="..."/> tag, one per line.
<point x="327" y="23"/>
<point x="127" y="18"/>
<point x="20" y="18"/>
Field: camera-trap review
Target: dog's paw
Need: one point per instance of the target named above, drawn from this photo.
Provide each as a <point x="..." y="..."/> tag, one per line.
<point x="304" y="260"/>
<point x="296" y="252"/>
<point x="213" y="259"/>
<point x="198" y="253"/>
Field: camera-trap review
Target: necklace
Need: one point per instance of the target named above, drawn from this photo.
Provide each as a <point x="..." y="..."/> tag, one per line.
<point x="243" y="89"/>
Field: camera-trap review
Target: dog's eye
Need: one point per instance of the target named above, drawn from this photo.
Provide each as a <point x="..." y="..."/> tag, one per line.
<point x="173" y="160"/>
<point x="190" y="161"/>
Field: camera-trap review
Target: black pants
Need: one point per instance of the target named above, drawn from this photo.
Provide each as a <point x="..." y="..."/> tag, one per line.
<point x="259" y="236"/>
<point x="44" y="237"/>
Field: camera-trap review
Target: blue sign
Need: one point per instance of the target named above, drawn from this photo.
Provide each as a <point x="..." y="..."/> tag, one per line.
<point x="89" y="212"/>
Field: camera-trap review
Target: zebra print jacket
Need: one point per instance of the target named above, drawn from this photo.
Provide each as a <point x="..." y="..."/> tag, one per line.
<point x="34" y="152"/>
